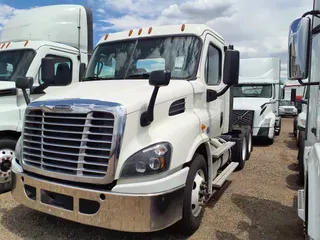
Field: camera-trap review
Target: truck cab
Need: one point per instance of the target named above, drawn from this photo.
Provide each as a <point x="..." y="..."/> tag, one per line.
<point x="63" y="36"/>
<point x="256" y="97"/>
<point x="304" y="65"/>
<point x="147" y="131"/>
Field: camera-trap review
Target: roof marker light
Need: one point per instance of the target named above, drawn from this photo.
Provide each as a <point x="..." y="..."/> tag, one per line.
<point x="26" y="43"/>
<point x="183" y="26"/>
<point x="150" y="30"/>
<point x="106" y="36"/>
<point x="3" y="45"/>
<point x="140" y="31"/>
<point x="130" y="32"/>
<point x="8" y="44"/>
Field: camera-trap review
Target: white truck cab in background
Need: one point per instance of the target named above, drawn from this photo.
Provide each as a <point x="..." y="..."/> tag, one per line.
<point x="256" y="97"/>
<point x="304" y="66"/>
<point x="61" y="34"/>
<point x="143" y="141"/>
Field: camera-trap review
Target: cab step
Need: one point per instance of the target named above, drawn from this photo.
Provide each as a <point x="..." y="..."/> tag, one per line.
<point x="217" y="152"/>
<point x="301" y="205"/>
<point x="223" y="176"/>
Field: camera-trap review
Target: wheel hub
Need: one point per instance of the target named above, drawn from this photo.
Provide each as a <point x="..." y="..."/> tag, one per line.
<point x="197" y="197"/>
<point x="6" y="156"/>
<point x="244" y="149"/>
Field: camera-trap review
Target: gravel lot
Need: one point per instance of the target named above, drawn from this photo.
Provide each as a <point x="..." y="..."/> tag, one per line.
<point x="257" y="203"/>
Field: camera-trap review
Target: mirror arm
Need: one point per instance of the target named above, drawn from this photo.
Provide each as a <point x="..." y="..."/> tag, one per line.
<point x="39" y="89"/>
<point x="147" y="116"/>
<point x="223" y="91"/>
<point x="308" y="83"/>
<point x="25" y="95"/>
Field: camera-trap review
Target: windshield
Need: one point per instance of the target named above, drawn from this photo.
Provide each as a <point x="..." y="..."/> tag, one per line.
<point x="253" y="90"/>
<point x="15" y="63"/>
<point x="286" y="103"/>
<point x="137" y="58"/>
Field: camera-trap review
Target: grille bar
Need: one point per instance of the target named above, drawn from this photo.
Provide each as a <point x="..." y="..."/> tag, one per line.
<point x="76" y="144"/>
<point x="242" y="117"/>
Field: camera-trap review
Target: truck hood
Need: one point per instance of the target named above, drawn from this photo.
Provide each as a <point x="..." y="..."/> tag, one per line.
<point x="132" y="94"/>
<point x="7" y="85"/>
<point x="249" y="103"/>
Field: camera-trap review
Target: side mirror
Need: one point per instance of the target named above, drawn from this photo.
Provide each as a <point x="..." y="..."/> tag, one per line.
<point x="231" y="67"/>
<point x="298" y="49"/>
<point x="47" y="69"/>
<point x="160" y="78"/>
<point x="293" y="95"/>
<point x="24" y="83"/>
<point x="82" y="70"/>
<point x="157" y="79"/>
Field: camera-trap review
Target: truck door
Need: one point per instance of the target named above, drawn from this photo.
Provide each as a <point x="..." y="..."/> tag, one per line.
<point x="213" y="80"/>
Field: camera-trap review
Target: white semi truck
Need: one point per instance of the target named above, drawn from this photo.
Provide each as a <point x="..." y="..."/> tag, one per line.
<point x="304" y="63"/>
<point x="143" y="141"/>
<point x="256" y="97"/>
<point x="61" y="33"/>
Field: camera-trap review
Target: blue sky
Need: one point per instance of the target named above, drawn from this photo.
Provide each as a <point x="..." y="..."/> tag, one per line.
<point x="257" y="28"/>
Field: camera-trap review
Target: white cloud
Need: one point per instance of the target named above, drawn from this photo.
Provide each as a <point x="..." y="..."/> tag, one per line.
<point x="257" y="28"/>
<point x="6" y="12"/>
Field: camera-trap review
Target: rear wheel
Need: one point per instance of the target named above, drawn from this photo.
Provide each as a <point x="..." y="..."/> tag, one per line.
<point x="192" y="205"/>
<point x="239" y="151"/>
<point x="7" y="147"/>
<point x="248" y="135"/>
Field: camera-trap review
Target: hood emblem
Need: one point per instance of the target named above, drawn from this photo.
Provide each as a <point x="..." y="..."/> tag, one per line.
<point x="62" y="107"/>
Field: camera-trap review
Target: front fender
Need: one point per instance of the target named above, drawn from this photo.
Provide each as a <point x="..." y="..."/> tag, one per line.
<point x="9" y="118"/>
<point x="182" y="131"/>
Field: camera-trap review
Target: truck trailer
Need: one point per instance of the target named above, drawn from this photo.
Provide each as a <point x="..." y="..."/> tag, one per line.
<point x="60" y="33"/>
<point x="143" y="141"/>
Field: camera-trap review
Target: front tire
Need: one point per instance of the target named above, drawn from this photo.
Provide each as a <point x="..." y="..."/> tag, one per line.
<point x="7" y="147"/>
<point x="192" y="211"/>
<point x="248" y="135"/>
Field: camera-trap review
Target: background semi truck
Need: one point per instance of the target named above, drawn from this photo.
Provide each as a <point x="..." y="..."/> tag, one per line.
<point x="303" y="50"/>
<point x="256" y="97"/>
<point x="288" y="107"/>
<point x="143" y="141"/>
<point x="62" y="33"/>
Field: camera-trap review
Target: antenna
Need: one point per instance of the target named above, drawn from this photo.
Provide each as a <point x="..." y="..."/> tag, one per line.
<point x="79" y="37"/>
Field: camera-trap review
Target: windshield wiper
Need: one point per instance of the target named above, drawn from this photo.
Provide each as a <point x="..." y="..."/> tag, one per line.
<point x="93" y="78"/>
<point x="144" y="75"/>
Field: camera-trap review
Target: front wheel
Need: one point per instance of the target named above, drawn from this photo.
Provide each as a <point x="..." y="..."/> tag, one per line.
<point x="193" y="199"/>
<point x="7" y="147"/>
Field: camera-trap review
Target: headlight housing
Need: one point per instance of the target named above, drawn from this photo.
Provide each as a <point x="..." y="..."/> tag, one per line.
<point x="266" y="122"/>
<point x="18" y="150"/>
<point x="151" y="160"/>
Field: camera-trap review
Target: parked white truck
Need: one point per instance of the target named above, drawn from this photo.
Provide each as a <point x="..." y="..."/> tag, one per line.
<point x="256" y="97"/>
<point x="60" y="33"/>
<point x="143" y="141"/>
<point x="304" y="63"/>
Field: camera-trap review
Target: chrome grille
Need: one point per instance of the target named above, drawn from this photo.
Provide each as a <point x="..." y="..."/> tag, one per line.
<point x="242" y="117"/>
<point x="77" y="144"/>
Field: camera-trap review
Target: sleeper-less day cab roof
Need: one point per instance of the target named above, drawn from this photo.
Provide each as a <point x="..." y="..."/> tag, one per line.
<point x="184" y="29"/>
<point x="56" y="23"/>
<point x="259" y="70"/>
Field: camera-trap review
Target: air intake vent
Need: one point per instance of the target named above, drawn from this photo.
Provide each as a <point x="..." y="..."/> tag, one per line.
<point x="8" y="92"/>
<point x="177" y="107"/>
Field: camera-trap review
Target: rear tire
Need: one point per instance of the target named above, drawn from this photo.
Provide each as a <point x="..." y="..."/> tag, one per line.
<point x="192" y="213"/>
<point x="248" y="135"/>
<point x="239" y="151"/>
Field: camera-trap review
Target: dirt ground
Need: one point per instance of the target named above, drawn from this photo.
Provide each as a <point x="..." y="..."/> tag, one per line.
<point x="257" y="203"/>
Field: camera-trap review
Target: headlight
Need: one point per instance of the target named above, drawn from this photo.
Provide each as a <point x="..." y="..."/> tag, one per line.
<point x="266" y="123"/>
<point x="151" y="160"/>
<point x="18" y="151"/>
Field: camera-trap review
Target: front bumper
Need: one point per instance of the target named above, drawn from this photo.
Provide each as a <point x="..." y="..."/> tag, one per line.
<point x="123" y="212"/>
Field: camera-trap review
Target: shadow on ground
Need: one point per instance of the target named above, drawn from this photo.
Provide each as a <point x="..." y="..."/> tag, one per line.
<point x="268" y="220"/>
